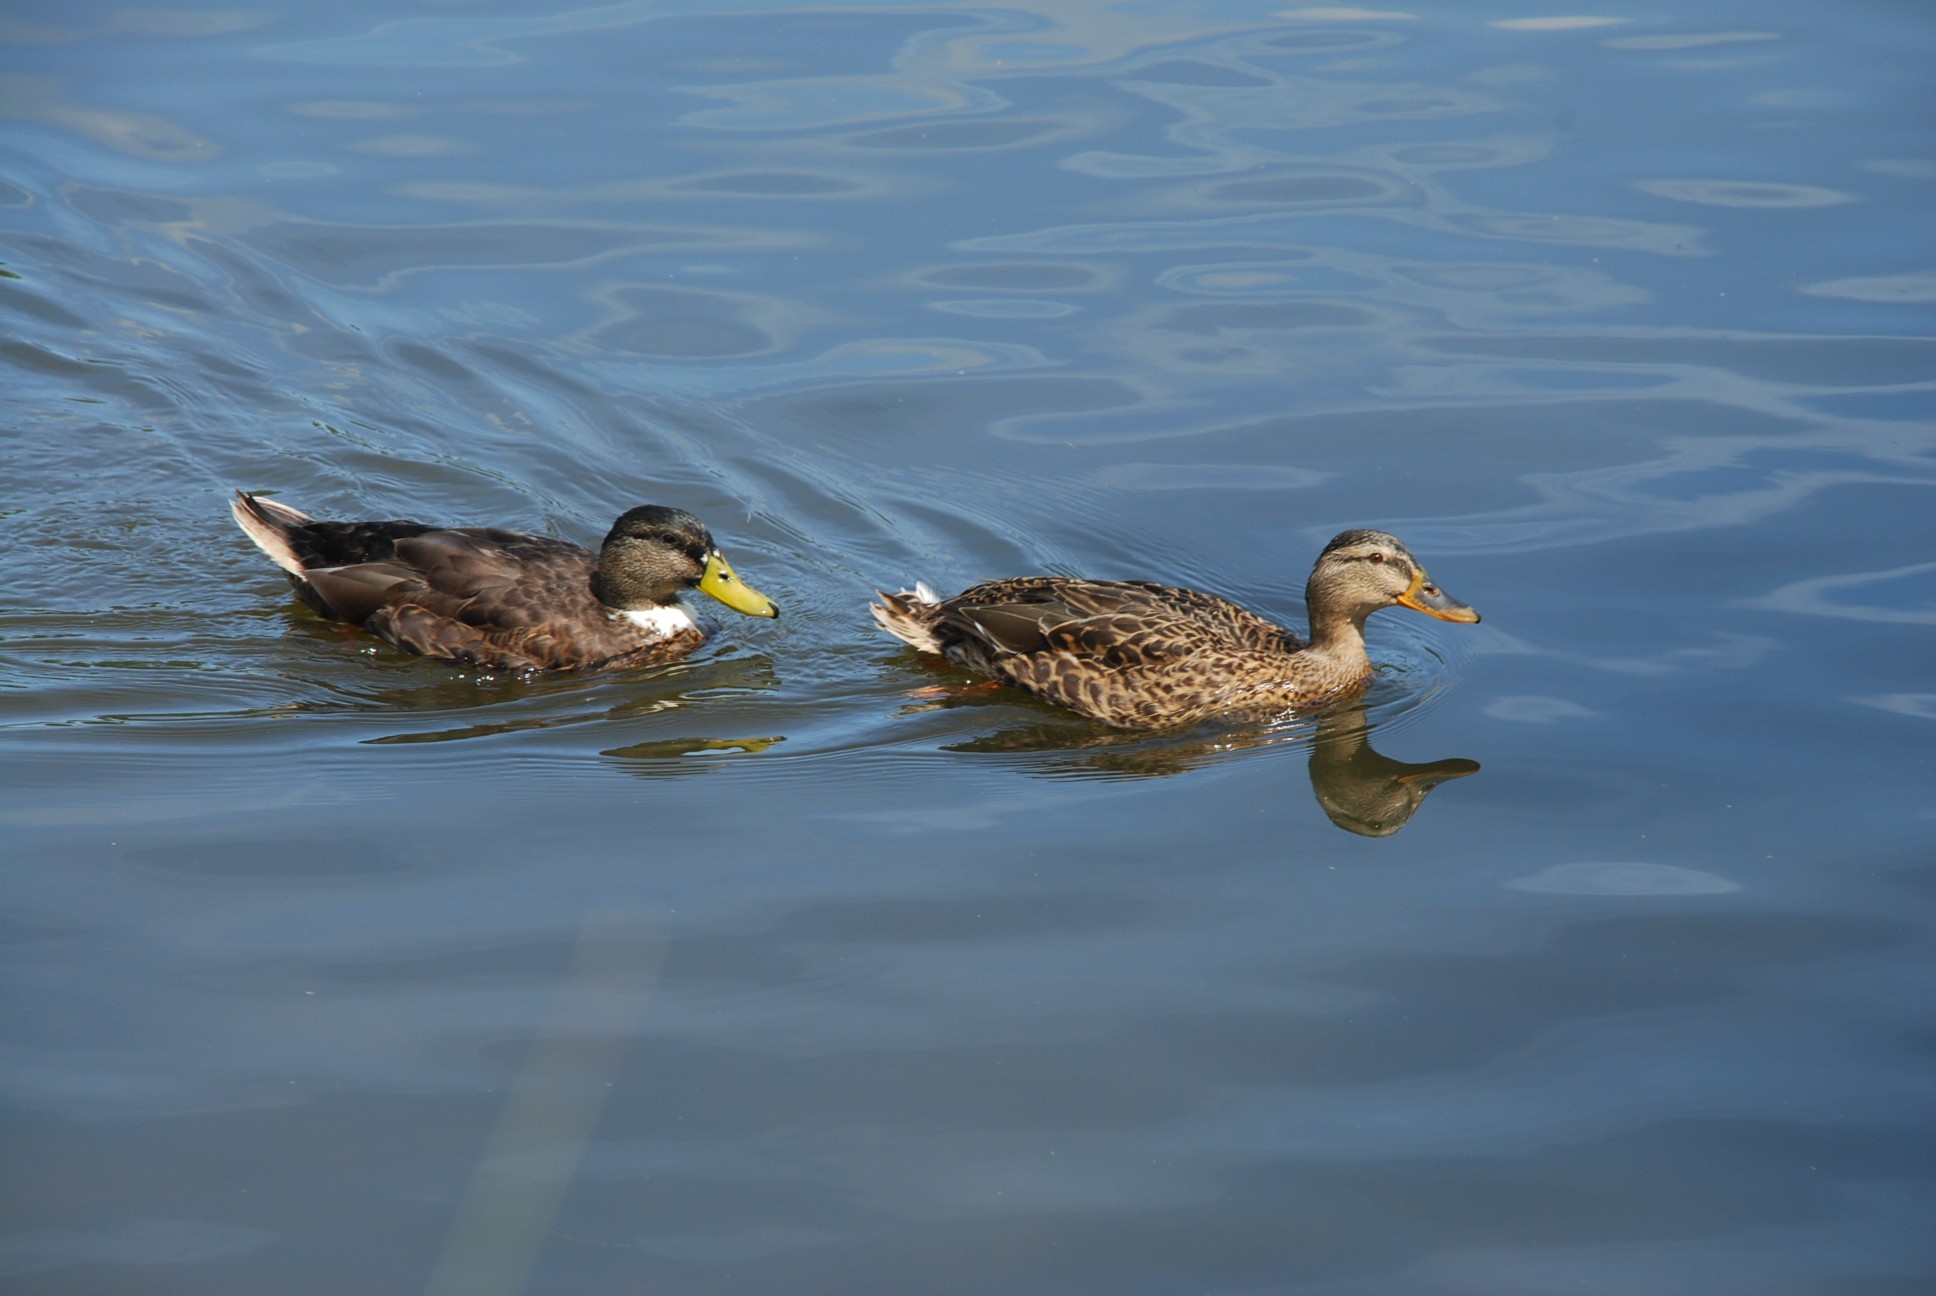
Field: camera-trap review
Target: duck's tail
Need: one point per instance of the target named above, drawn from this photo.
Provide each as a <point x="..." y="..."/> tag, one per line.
<point x="269" y="524"/>
<point x="909" y="616"/>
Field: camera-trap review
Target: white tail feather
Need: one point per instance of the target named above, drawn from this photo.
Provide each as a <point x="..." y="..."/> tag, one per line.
<point x="265" y="531"/>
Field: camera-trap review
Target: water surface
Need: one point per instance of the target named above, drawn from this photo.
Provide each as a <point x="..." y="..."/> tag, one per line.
<point x="1593" y="955"/>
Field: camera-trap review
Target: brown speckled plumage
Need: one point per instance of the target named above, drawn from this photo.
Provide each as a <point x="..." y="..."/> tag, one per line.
<point x="1145" y="656"/>
<point x="498" y="599"/>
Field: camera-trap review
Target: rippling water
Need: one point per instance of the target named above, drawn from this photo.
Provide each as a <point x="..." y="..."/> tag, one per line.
<point x="1591" y="955"/>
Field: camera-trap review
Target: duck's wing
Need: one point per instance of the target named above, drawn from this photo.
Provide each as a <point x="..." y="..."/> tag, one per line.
<point x="481" y="576"/>
<point x="1127" y="653"/>
<point x="486" y="576"/>
<point x="1094" y="618"/>
<point x="483" y="596"/>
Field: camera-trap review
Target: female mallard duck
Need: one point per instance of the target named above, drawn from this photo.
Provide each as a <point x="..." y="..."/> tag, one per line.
<point x="502" y="599"/>
<point x="1145" y="656"/>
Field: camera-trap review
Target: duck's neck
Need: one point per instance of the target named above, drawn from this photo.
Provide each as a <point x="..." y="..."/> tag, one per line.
<point x="602" y="590"/>
<point x="1337" y="635"/>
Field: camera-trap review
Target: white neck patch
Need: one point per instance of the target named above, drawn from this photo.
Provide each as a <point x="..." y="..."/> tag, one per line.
<point x="661" y="621"/>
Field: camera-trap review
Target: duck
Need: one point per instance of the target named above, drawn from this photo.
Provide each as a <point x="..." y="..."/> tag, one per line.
<point x="1140" y="655"/>
<point x="503" y="600"/>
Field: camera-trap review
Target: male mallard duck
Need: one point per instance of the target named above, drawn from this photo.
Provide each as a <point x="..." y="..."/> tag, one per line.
<point x="502" y="599"/>
<point x="1144" y="656"/>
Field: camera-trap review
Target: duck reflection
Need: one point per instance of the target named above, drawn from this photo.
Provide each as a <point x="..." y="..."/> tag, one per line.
<point x="456" y="707"/>
<point x="1359" y="789"/>
<point x="1364" y="792"/>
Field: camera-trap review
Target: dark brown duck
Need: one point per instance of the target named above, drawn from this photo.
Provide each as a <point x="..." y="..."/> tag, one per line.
<point x="504" y="600"/>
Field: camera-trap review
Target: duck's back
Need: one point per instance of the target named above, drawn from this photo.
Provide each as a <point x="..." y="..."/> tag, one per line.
<point x="479" y="575"/>
<point x="1143" y="617"/>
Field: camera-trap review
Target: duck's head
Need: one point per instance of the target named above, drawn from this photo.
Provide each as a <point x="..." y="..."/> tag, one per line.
<point x="1360" y="572"/>
<point x="652" y="552"/>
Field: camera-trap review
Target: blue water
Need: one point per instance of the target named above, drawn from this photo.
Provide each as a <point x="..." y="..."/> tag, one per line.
<point x="1592" y="956"/>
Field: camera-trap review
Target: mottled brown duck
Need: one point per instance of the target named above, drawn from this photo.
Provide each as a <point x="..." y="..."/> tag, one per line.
<point x="504" y="600"/>
<point x="1145" y="656"/>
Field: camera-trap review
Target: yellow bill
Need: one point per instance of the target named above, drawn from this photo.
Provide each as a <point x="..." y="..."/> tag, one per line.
<point x="720" y="582"/>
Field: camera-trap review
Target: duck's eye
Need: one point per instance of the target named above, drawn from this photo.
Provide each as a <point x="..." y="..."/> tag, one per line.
<point x="1377" y="557"/>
